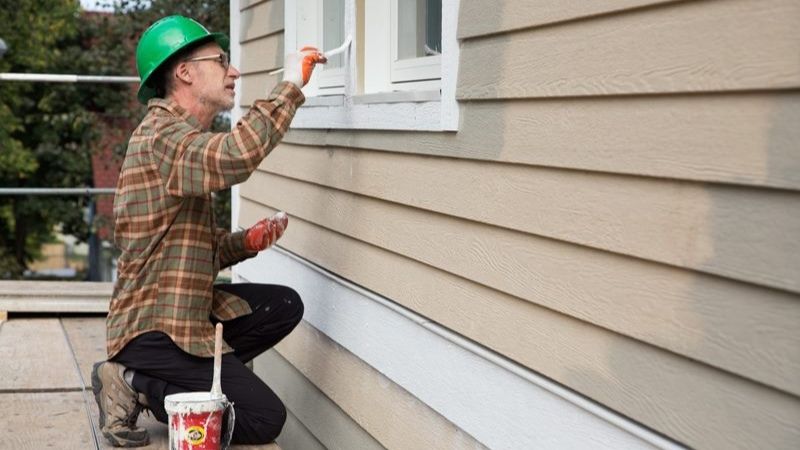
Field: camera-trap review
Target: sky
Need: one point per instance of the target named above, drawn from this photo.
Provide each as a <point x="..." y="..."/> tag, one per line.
<point x="91" y="5"/>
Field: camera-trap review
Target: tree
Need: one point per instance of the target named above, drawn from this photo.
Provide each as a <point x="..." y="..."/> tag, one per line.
<point x="48" y="131"/>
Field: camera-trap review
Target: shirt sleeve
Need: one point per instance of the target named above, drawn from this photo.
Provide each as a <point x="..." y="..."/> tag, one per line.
<point x="231" y="248"/>
<point x="192" y="162"/>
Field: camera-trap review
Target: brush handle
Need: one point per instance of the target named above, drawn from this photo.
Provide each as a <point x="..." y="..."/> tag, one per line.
<point x="216" y="385"/>
<point x="339" y="49"/>
<point x="328" y="54"/>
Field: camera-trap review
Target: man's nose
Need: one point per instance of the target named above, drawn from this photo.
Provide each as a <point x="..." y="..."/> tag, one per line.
<point x="233" y="72"/>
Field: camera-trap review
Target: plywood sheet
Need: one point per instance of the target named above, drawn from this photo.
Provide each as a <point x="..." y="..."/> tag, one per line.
<point x="36" y="421"/>
<point x="35" y="356"/>
<point x="87" y="336"/>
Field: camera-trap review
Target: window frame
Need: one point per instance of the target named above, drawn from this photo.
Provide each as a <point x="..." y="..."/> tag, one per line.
<point x="329" y="81"/>
<point x="413" y="69"/>
<point x="427" y="105"/>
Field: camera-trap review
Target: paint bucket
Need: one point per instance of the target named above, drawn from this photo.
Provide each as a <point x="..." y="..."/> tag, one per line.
<point x="195" y="421"/>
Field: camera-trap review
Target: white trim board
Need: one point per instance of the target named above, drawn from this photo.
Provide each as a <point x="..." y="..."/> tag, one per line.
<point x="439" y="115"/>
<point x="236" y="112"/>
<point x="501" y="408"/>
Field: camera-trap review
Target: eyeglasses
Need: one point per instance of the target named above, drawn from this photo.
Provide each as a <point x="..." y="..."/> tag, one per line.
<point x="221" y="58"/>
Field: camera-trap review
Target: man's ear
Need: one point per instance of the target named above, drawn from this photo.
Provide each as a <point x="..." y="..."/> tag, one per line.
<point x="183" y="73"/>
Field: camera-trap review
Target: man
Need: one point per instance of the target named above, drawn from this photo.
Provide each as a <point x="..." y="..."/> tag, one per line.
<point x="160" y="327"/>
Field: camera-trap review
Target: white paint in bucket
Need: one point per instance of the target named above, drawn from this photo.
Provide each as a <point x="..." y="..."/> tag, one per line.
<point x="195" y="421"/>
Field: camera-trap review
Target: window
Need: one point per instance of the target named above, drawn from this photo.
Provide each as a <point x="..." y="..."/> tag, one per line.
<point x="400" y="72"/>
<point x="416" y="33"/>
<point x="321" y="23"/>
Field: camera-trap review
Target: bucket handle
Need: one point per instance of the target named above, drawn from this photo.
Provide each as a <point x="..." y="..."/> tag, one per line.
<point x="230" y="414"/>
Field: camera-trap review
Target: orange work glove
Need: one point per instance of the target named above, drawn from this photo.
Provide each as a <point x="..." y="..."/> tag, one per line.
<point x="298" y="66"/>
<point x="264" y="233"/>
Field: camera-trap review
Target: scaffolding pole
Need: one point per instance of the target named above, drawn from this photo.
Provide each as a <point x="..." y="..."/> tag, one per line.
<point x="66" y="78"/>
<point x="57" y="191"/>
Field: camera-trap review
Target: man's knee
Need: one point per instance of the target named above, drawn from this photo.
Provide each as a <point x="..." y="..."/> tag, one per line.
<point x="261" y="427"/>
<point x="274" y="426"/>
<point x="293" y="303"/>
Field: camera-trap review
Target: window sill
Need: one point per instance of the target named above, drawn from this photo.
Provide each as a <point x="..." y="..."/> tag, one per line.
<point x="326" y="100"/>
<point x="403" y="110"/>
<point x="398" y="97"/>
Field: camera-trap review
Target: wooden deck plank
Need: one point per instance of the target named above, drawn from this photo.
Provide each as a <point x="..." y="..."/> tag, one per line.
<point x="35" y="356"/>
<point x="34" y="421"/>
<point x="87" y="337"/>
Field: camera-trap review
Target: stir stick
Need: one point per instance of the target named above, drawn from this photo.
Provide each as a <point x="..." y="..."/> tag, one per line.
<point x="216" y="386"/>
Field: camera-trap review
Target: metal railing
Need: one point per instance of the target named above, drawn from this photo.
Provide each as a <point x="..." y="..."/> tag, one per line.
<point x="94" y="247"/>
<point x="57" y="191"/>
<point x="65" y="78"/>
<point x="62" y="78"/>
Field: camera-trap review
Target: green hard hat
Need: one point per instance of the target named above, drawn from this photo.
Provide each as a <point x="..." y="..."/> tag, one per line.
<point x="163" y="39"/>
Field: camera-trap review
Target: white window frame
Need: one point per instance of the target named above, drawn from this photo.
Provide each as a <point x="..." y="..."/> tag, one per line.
<point x="309" y="31"/>
<point x="330" y="81"/>
<point x="414" y="69"/>
<point x="374" y="101"/>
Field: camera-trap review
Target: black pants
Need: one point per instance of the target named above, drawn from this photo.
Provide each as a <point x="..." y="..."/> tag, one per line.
<point x="162" y="368"/>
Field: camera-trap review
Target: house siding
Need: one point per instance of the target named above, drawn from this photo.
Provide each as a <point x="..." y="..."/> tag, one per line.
<point x="618" y="211"/>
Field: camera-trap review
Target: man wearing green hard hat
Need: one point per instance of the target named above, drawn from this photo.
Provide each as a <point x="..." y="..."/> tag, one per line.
<point x="160" y="326"/>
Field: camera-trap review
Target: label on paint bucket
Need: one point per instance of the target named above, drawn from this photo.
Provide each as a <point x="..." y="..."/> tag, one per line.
<point x="195" y="421"/>
<point x="196" y="435"/>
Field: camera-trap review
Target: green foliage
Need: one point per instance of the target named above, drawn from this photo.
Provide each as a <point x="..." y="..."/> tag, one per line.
<point x="47" y="130"/>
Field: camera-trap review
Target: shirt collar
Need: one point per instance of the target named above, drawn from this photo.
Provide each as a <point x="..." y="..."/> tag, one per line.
<point x="174" y="109"/>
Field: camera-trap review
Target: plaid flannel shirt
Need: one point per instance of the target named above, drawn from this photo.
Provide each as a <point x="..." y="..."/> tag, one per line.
<point x="164" y="221"/>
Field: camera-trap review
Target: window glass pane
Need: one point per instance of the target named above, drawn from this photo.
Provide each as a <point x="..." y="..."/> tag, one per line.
<point x="333" y="29"/>
<point x="419" y="28"/>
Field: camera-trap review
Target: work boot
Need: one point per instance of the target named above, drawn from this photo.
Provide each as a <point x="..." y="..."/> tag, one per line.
<point x="118" y="405"/>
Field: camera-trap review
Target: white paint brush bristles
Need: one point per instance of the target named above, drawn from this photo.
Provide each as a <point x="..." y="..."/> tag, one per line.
<point x="328" y="54"/>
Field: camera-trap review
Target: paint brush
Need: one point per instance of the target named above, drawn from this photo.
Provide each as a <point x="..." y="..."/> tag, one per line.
<point x="328" y="54"/>
<point x="216" y="385"/>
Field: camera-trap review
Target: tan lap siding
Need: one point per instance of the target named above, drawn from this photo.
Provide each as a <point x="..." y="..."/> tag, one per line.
<point x="672" y="394"/>
<point x="257" y="86"/>
<point x="756" y="338"/>
<point x="260" y="20"/>
<point x="261" y="37"/>
<point x="682" y="47"/>
<point x="637" y="247"/>
<point x="741" y="138"/>
<point x="269" y="51"/>
<point x="476" y="19"/>
<point x="733" y="232"/>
